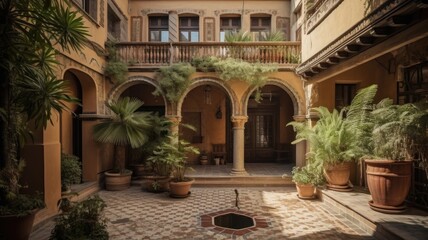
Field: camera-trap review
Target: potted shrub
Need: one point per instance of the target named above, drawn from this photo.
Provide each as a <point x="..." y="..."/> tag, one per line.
<point x="81" y="220"/>
<point x="334" y="142"/>
<point x="29" y="90"/>
<point x="170" y="158"/>
<point x="71" y="172"/>
<point x="175" y="153"/>
<point x="399" y="136"/>
<point x="307" y="178"/>
<point x="126" y="126"/>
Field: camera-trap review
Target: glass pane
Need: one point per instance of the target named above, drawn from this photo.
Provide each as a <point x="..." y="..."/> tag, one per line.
<point x="184" y="36"/>
<point x="154" y="36"/>
<point x="264" y="131"/>
<point x="222" y="35"/>
<point x="194" y="37"/>
<point x="164" y="36"/>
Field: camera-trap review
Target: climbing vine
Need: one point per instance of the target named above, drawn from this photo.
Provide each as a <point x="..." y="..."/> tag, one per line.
<point x="115" y="68"/>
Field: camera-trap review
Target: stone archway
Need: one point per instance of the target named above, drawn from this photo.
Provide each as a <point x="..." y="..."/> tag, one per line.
<point x="75" y="131"/>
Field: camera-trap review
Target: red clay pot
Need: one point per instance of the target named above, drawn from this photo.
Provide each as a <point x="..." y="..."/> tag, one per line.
<point x="338" y="174"/>
<point x="388" y="181"/>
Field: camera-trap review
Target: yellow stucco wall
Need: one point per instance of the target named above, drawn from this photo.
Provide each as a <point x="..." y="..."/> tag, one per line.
<point x="347" y="13"/>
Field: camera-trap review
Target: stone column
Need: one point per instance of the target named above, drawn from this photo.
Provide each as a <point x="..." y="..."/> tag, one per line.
<point x="301" y="146"/>
<point x="238" y="145"/>
<point x="176" y="120"/>
<point x="173" y="26"/>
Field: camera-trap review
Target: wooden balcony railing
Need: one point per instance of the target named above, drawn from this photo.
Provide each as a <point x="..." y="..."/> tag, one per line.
<point x="154" y="54"/>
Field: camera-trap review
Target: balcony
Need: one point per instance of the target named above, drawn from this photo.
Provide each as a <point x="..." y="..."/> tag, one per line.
<point x="152" y="55"/>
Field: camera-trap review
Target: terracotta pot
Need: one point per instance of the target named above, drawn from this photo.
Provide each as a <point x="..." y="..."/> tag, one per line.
<point x="138" y="170"/>
<point x="180" y="189"/>
<point x="388" y="181"/>
<point x="203" y="161"/>
<point x="16" y="227"/>
<point x="118" y="181"/>
<point x="156" y="184"/>
<point x="338" y="174"/>
<point x="305" y="190"/>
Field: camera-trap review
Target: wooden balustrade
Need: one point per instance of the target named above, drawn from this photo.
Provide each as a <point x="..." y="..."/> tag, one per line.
<point x="154" y="54"/>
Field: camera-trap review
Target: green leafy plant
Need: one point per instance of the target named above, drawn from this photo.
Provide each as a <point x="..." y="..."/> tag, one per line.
<point x="309" y="174"/>
<point x="174" y="80"/>
<point x="230" y="68"/>
<point x="400" y="132"/>
<point x="125" y="127"/>
<point x="115" y="68"/>
<point x="275" y="36"/>
<point x="83" y="220"/>
<point x="171" y="156"/>
<point x="241" y="36"/>
<point x="71" y="171"/>
<point x="336" y="138"/>
<point x="29" y="89"/>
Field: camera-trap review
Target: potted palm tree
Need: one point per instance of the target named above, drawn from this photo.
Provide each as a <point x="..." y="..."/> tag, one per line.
<point x="399" y="136"/>
<point x="126" y="126"/>
<point x="29" y="90"/>
<point x="334" y="140"/>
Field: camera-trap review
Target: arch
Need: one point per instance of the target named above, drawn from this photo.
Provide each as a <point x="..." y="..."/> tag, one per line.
<point x="89" y="90"/>
<point x="214" y="81"/>
<point x="295" y="98"/>
<point x="132" y="81"/>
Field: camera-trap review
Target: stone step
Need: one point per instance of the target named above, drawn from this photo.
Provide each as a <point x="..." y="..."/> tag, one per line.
<point x="230" y="181"/>
<point x="353" y="207"/>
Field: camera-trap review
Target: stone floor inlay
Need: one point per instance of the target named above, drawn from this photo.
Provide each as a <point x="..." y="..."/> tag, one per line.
<point x="157" y="216"/>
<point x="233" y="222"/>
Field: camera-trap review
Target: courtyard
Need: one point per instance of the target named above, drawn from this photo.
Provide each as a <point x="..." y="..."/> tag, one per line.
<point x="134" y="214"/>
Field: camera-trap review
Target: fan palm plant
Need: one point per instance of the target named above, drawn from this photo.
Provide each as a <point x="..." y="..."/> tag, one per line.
<point x="125" y="127"/>
<point x="30" y="33"/>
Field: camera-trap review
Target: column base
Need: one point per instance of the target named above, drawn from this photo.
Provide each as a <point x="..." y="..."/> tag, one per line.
<point x="238" y="172"/>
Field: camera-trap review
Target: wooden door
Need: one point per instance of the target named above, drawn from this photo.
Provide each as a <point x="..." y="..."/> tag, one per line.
<point x="260" y="135"/>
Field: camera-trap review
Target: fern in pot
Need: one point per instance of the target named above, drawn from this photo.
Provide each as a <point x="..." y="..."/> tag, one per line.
<point x="399" y="137"/>
<point x="335" y="139"/>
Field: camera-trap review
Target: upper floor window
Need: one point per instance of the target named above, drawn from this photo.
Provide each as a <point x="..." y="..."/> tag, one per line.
<point x="158" y="29"/>
<point x="344" y="95"/>
<point x="189" y="29"/>
<point x="113" y="24"/>
<point x="89" y="6"/>
<point x="260" y="27"/>
<point x="229" y="24"/>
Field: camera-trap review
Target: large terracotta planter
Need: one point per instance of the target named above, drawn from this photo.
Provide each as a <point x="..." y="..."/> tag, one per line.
<point x="180" y="189"/>
<point x="388" y="182"/>
<point x="16" y="227"/>
<point x="118" y="181"/>
<point x="337" y="175"/>
<point x="305" y="191"/>
<point x="156" y="184"/>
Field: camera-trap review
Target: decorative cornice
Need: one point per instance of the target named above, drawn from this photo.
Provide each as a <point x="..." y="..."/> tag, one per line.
<point x="348" y="41"/>
<point x="148" y="11"/>
<point x="321" y="13"/>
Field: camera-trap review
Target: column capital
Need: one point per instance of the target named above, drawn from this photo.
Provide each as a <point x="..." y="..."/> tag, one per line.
<point x="239" y="121"/>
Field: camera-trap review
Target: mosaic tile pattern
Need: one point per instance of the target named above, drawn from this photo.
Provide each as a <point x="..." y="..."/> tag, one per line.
<point x="134" y="214"/>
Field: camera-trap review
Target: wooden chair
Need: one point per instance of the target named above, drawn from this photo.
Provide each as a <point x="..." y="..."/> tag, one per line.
<point x="219" y="151"/>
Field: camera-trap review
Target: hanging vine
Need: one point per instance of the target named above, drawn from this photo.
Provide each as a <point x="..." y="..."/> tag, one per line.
<point x="254" y="74"/>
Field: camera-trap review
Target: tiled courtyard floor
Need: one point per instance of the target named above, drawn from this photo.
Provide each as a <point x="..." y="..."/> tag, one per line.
<point x="134" y="214"/>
